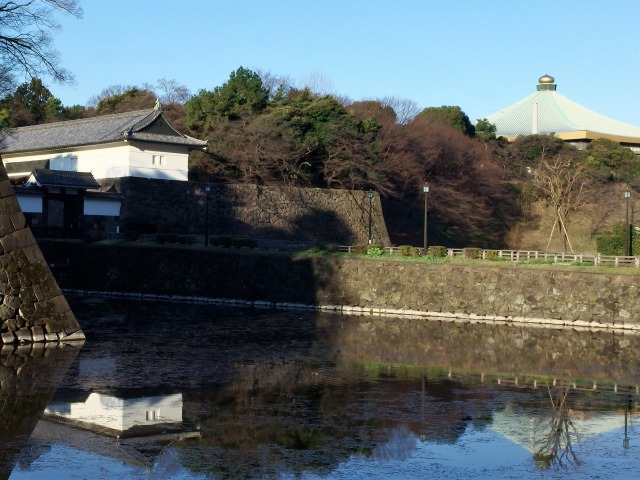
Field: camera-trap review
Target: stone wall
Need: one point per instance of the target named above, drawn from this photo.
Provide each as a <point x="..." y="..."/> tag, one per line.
<point x="269" y="212"/>
<point x="482" y="292"/>
<point x="32" y="307"/>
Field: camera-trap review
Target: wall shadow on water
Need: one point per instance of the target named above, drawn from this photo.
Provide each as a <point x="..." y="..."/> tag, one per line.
<point x="230" y="273"/>
<point x="281" y="392"/>
<point x="28" y="379"/>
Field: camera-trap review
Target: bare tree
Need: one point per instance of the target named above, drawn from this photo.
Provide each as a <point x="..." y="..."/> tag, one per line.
<point x="7" y="81"/>
<point x="405" y="109"/>
<point x="317" y="83"/>
<point x="169" y="91"/>
<point x="26" y="44"/>
<point x="559" y="184"/>
<point x="558" y="446"/>
<point x="110" y="91"/>
<point x="274" y="83"/>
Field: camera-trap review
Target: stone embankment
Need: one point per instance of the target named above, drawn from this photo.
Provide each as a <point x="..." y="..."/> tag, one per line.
<point x="483" y="292"/>
<point x="32" y="307"/>
<point x="317" y="215"/>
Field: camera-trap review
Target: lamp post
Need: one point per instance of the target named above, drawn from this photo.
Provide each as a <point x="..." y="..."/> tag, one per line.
<point x="425" y="189"/>
<point x="207" y="189"/>
<point x="187" y="201"/>
<point x="627" y="252"/>
<point x="370" y="195"/>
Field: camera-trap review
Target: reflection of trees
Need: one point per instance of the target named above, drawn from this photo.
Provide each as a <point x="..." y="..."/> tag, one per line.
<point x="298" y="417"/>
<point x="557" y="446"/>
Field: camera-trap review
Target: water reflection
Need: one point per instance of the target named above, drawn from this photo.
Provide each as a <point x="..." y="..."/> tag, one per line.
<point x="28" y="378"/>
<point x="179" y="391"/>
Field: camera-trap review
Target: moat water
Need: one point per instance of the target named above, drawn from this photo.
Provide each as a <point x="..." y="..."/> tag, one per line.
<point x="175" y="391"/>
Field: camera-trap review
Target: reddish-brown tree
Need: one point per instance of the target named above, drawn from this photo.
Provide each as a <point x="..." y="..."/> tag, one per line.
<point x="466" y="190"/>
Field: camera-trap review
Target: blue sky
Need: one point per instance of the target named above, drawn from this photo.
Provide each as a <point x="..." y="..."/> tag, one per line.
<point x="479" y="55"/>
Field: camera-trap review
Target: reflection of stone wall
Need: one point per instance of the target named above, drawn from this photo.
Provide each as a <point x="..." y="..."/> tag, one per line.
<point x="32" y="307"/>
<point x="497" y="350"/>
<point x="282" y="213"/>
<point x="483" y="290"/>
<point x="28" y="378"/>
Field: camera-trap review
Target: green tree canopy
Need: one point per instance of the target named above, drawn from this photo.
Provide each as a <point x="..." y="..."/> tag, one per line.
<point x="485" y="130"/>
<point x="454" y="117"/>
<point x="32" y="103"/>
<point x="302" y="140"/>
<point x="128" y="101"/>
<point x="242" y="94"/>
<point x="608" y="160"/>
<point x="374" y="109"/>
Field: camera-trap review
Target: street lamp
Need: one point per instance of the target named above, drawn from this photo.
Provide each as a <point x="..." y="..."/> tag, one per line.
<point x="425" y="189"/>
<point x="187" y="216"/>
<point x="207" y="189"/>
<point x="370" y="195"/>
<point x="627" y="195"/>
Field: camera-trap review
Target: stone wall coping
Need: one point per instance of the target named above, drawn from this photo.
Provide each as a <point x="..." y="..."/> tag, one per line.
<point x="580" y="325"/>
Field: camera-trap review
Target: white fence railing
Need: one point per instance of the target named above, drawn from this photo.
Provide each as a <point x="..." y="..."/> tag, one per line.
<point x="529" y="255"/>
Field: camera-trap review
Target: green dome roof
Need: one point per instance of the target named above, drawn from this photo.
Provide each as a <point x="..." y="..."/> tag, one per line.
<point x="546" y="112"/>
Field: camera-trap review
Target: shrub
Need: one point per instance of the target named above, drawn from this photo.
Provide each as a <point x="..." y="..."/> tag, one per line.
<point x="540" y="261"/>
<point x="490" y="255"/>
<point x="407" y="251"/>
<point x="132" y="235"/>
<point x="472" y="253"/>
<point x="324" y="249"/>
<point x="244" y="242"/>
<point x="375" y="251"/>
<point x="220" y="241"/>
<point x="612" y="243"/>
<point x="437" y="251"/>
<point x="360" y="249"/>
<point x="163" y="238"/>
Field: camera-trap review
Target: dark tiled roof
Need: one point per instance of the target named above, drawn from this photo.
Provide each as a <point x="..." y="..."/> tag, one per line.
<point x="59" y="178"/>
<point x="29" y="191"/>
<point x="105" y="195"/>
<point x="92" y="131"/>
<point x="154" y="137"/>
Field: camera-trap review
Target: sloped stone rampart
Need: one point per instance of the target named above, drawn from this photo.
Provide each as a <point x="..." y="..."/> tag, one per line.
<point x="483" y="292"/>
<point x="32" y="307"/>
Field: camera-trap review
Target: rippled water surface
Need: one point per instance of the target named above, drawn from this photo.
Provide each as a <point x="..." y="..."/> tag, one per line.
<point x="179" y="391"/>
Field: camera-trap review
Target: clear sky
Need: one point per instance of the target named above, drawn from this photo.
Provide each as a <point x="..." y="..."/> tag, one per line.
<point x="480" y="55"/>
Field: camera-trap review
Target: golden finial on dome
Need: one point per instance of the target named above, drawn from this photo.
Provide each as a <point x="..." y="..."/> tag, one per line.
<point x="546" y="79"/>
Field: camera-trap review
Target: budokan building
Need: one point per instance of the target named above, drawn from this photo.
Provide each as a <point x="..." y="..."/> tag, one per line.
<point x="546" y="112"/>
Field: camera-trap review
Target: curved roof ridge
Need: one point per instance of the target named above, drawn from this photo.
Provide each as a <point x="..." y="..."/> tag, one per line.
<point x="103" y="129"/>
<point x="147" y="120"/>
<point x="97" y="118"/>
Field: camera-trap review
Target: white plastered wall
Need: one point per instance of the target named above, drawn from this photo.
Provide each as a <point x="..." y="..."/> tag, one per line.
<point x="175" y="165"/>
<point x="114" y="161"/>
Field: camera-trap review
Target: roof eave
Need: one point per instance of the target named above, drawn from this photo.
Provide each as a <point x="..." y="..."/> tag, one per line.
<point x="124" y="141"/>
<point x="590" y="135"/>
<point x="190" y="145"/>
